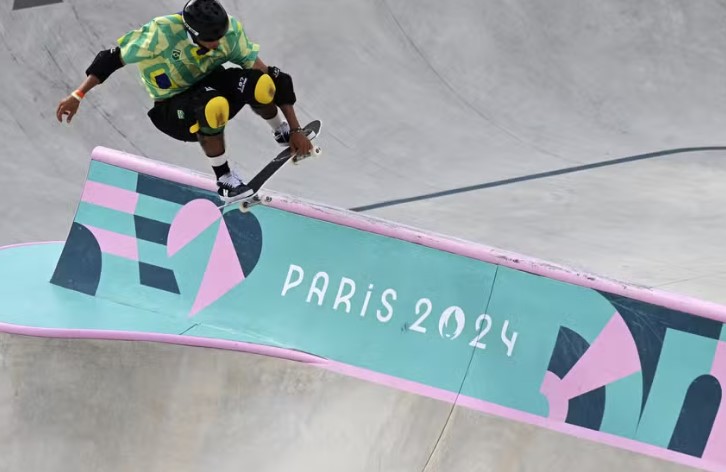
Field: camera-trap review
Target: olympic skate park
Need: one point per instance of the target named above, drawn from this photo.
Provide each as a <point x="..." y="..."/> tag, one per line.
<point x="508" y="257"/>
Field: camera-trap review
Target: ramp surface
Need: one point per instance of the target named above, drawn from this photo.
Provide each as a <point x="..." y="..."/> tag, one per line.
<point x="199" y="409"/>
<point x="588" y="134"/>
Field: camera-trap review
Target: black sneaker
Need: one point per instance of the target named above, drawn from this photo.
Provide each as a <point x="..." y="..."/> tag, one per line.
<point x="232" y="188"/>
<point x="282" y="134"/>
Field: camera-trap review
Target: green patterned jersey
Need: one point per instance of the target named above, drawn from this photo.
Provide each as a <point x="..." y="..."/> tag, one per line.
<point x="169" y="61"/>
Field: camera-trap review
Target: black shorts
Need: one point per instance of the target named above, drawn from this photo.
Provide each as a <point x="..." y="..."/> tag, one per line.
<point x="174" y="116"/>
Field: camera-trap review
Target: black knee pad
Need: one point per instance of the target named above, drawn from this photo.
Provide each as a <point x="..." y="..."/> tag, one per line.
<point x="283" y="83"/>
<point x="211" y="110"/>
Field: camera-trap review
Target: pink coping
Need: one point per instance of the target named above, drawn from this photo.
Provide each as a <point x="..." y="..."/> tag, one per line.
<point x="109" y="196"/>
<point x="223" y="271"/>
<point x="716" y="447"/>
<point x="191" y="220"/>
<point x="182" y="340"/>
<point x="115" y="243"/>
<point x="444" y="243"/>
<point x="154" y="168"/>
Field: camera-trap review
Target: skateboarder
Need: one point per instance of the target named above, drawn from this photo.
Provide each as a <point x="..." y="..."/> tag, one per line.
<point x="180" y="59"/>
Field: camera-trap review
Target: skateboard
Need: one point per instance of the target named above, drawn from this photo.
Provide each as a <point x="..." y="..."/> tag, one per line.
<point x="257" y="182"/>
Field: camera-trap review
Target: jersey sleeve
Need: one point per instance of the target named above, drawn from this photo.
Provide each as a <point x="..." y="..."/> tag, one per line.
<point x="142" y="43"/>
<point x="244" y="52"/>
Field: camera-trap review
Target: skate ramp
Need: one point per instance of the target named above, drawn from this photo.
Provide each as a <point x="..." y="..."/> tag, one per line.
<point x="583" y="134"/>
<point x="461" y="337"/>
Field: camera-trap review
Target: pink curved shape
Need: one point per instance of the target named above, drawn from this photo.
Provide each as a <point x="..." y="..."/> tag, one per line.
<point x="612" y="356"/>
<point x="223" y="272"/>
<point x="559" y="403"/>
<point x="191" y="220"/>
<point x="180" y="339"/>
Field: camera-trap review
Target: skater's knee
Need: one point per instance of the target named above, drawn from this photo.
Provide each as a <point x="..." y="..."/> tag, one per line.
<point x="253" y="87"/>
<point x="216" y="113"/>
<point x="212" y="115"/>
<point x="264" y="90"/>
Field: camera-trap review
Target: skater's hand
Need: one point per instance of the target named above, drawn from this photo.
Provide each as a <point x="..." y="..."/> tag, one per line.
<point x="300" y="145"/>
<point x="67" y="106"/>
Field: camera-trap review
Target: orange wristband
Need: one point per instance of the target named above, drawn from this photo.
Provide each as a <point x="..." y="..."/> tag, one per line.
<point x="77" y="94"/>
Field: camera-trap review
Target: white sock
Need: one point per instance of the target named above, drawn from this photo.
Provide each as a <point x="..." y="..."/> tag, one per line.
<point x="276" y="121"/>
<point x="218" y="161"/>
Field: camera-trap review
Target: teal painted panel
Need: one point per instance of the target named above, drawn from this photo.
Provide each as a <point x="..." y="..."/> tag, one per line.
<point x="106" y="218"/>
<point x="622" y="408"/>
<point x="509" y="371"/>
<point x="213" y="332"/>
<point x="153" y="253"/>
<point x="29" y="300"/>
<point x="112" y="175"/>
<point x="125" y="278"/>
<point x="156" y="209"/>
<point x="125" y="287"/>
<point x="353" y="296"/>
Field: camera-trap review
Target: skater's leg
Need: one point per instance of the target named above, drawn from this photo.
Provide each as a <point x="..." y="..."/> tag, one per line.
<point x="213" y="147"/>
<point x="212" y="111"/>
<point x="256" y="89"/>
<point x="201" y="114"/>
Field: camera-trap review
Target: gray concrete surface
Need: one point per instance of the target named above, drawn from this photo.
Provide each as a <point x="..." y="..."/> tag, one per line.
<point x="84" y="405"/>
<point x="417" y="96"/>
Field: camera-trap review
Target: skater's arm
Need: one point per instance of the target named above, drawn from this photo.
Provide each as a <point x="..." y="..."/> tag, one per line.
<point x="287" y="109"/>
<point x="259" y="65"/>
<point x="104" y="64"/>
<point x="299" y="143"/>
<point x="289" y="112"/>
<point x="285" y="99"/>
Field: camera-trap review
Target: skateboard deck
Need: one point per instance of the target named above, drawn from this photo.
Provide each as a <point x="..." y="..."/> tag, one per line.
<point x="261" y="178"/>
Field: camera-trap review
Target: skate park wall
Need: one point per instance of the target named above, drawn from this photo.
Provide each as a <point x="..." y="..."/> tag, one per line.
<point x="150" y="255"/>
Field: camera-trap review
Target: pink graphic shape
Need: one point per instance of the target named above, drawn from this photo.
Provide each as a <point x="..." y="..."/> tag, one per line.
<point x="191" y="220"/>
<point x="715" y="450"/>
<point x="111" y="197"/>
<point x="612" y="356"/>
<point x="559" y="403"/>
<point x="115" y="243"/>
<point x="222" y="274"/>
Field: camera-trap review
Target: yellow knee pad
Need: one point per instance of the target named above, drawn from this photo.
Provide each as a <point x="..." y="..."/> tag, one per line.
<point x="216" y="116"/>
<point x="265" y="90"/>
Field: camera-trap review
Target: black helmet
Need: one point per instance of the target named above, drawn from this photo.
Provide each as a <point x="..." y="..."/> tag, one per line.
<point x="205" y="19"/>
